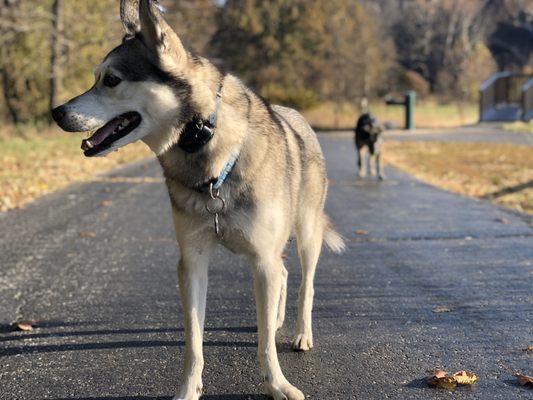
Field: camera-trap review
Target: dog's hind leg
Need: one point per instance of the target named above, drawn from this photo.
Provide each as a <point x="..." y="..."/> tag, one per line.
<point x="267" y="287"/>
<point x="282" y="298"/>
<point x="192" y="278"/>
<point x="309" y="237"/>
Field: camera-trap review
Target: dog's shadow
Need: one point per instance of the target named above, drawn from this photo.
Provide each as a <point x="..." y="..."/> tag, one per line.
<point x="204" y="397"/>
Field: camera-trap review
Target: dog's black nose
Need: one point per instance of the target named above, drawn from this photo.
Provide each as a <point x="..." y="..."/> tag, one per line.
<point x="58" y="113"/>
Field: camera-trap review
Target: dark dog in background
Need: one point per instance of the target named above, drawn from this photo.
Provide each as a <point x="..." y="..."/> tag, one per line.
<point x="368" y="134"/>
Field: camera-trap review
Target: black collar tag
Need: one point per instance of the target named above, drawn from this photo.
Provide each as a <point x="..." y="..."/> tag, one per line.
<point x="196" y="134"/>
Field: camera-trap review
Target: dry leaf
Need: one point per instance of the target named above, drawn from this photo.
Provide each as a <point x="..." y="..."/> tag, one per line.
<point x="439" y="373"/>
<point x="503" y="221"/>
<point x="87" y="234"/>
<point x="525" y="380"/>
<point x="106" y="203"/>
<point x="24" y="326"/>
<point x="361" y="232"/>
<point x="465" y="378"/>
<point x="529" y="348"/>
<point x="446" y="382"/>
<point x="441" y="309"/>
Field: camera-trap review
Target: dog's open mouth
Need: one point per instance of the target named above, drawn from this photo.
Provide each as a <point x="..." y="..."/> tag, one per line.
<point x="114" y="130"/>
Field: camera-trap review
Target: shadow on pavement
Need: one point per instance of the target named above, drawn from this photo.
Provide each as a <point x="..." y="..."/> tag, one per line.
<point x="11" y="351"/>
<point x="204" y="397"/>
<point x="16" y="335"/>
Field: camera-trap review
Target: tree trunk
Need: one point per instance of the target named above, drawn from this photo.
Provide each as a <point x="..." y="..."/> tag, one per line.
<point x="55" y="59"/>
<point x="9" y="96"/>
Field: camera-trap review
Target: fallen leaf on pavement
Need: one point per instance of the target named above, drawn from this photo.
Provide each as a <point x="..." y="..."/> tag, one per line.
<point x="503" y="221"/>
<point x="440" y="379"/>
<point x="441" y="309"/>
<point x="439" y="373"/>
<point x="446" y="382"/>
<point x="524" y="380"/>
<point x="529" y="348"/>
<point x="24" y="326"/>
<point x="361" y="232"/>
<point x="106" y="203"/>
<point x="87" y="234"/>
<point x="465" y="378"/>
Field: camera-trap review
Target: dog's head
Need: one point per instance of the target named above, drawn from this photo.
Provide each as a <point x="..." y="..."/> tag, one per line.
<point x="368" y="123"/>
<point x="141" y="88"/>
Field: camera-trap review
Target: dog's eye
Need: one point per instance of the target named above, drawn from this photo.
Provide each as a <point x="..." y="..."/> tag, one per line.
<point x="111" y="80"/>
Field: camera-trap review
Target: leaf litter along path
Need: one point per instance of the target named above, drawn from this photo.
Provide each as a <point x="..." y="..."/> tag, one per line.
<point x="501" y="173"/>
<point x="109" y="325"/>
<point x="43" y="163"/>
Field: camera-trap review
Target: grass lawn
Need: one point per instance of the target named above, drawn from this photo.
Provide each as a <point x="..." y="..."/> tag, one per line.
<point x="428" y="114"/>
<point x="40" y="163"/>
<point x="502" y="173"/>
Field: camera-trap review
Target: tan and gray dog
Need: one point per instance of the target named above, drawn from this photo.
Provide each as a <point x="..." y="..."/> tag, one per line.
<point x="239" y="172"/>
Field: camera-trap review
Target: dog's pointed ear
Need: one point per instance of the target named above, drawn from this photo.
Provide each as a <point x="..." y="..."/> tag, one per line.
<point x="129" y="15"/>
<point x="158" y="35"/>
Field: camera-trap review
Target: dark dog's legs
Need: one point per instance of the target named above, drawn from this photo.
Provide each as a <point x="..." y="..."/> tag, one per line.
<point x="378" y="166"/>
<point x="371" y="155"/>
<point x="359" y="163"/>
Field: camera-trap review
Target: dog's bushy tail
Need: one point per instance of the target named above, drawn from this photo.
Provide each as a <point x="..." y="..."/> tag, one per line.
<point x="332" y="238"/>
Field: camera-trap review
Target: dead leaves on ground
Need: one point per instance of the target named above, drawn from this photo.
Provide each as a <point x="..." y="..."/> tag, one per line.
<point x="441" y="309"/>
<point x="87" y="234"/>
<point x="524" y="380"/>
<point x="441" y="380"/>
<point x="24" y="325"/>
<point x="465" y="377"/>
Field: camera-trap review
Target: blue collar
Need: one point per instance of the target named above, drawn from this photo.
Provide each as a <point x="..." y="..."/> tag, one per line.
<point x="219" y="181"/>
<point x="226" y="171"/>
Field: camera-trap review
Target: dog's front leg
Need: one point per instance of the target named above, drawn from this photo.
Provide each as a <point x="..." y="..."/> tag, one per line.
<point x="192" y="278"/>
<point x="267" y="285"/>
<point x="360" y="172"/>
<point x="369" y="156"/>
<point x="378" y="166"/>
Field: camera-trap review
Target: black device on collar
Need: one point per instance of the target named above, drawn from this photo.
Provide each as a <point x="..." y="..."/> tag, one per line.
<point x="196" y="134"/>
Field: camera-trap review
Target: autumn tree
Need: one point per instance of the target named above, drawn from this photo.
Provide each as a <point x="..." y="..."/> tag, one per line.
<point x="300" y="52"/>
<point x="441" y="40"/>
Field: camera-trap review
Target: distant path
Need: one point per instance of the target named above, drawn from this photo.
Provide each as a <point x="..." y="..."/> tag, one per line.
<point x="96" y="266"/>
<point x="484" y="133"/>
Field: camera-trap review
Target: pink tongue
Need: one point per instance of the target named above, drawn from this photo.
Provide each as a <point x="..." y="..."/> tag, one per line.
<point x="100" y="135"/>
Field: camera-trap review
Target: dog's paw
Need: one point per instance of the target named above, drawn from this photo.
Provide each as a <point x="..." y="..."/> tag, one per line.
<point x="283" y="391"/>
<point x="302" y="342"/>
<point x="190" y="392"/>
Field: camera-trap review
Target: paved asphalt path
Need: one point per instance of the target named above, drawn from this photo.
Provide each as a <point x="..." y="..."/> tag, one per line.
<point x="95" y="266"/>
